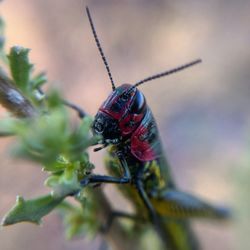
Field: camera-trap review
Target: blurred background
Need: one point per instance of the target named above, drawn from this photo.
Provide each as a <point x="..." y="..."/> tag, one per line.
<point x="202" y="112"/>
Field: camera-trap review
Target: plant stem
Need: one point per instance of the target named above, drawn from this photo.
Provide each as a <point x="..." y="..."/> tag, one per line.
<point x="13" y="100"/>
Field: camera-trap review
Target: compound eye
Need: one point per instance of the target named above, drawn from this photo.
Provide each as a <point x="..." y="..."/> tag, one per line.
<point x="139" y="103"/>
<point x="99" y="126"/>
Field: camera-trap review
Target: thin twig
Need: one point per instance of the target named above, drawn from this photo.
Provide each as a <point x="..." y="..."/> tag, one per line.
<point x="13" y="100"/>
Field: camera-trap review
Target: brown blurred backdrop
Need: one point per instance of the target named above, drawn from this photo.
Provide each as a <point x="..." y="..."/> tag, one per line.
<point x="202" y="112"/>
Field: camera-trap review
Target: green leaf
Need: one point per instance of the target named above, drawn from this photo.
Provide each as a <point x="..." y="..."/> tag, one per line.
<point x="20" y="67"/>
<point x="57" y="166"/>
<point x="66" y="183"/>
<point x="79" y="220"/>
<point x="73" y="219"/>
<point x="2" y="39"/>
<point x="8" y="125"/>
<point x="39" y="80"/>
<point x="80" y="138"/>
<point x="54" y="100"/>
<point x="31" y="210"/>
<point x="45" y="138"/>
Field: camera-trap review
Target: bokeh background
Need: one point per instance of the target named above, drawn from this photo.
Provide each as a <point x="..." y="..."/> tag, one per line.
<point x="202" y="112"/>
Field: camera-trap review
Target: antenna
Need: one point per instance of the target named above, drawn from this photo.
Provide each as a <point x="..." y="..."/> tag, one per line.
<point x="169" y="72"/>
<point x="100" y="48"/>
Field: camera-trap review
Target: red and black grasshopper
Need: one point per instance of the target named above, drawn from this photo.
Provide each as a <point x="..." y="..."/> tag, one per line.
<point x="127" y="126"/>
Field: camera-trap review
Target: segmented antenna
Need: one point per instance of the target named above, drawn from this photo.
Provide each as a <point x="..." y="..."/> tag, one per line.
<point x="171" y="71"/>
<point x="100" y="48"/>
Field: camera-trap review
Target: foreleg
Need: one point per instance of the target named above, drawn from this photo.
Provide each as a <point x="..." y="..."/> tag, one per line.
<point x="126" y="178"/>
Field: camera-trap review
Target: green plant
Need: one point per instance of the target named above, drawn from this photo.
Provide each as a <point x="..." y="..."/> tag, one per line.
<point x="44" y="134"/>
